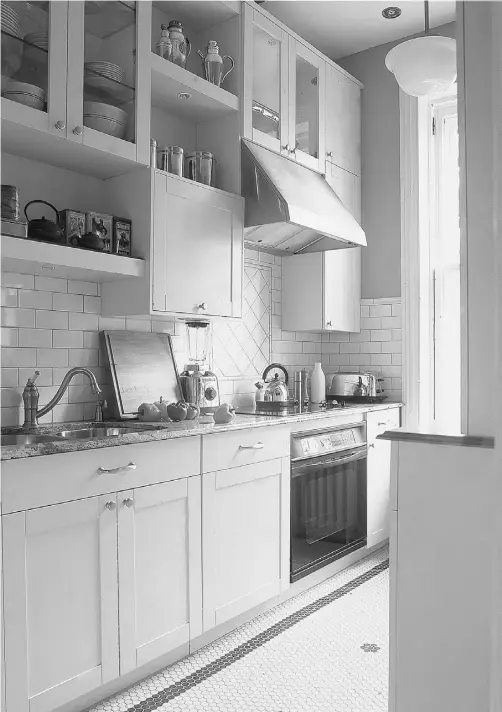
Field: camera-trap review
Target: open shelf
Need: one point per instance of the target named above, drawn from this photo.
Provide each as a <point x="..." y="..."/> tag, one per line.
<point x="207" y="101"/>
<point x="31" y="257"/>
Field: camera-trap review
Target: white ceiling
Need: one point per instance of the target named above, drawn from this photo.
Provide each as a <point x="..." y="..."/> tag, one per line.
<point x="342" y="27"/>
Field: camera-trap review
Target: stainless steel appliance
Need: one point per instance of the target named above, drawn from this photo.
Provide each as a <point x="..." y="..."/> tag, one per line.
<point x="199" y="385"/>
<point x="291" y="208"/>
<point x="275" y="398"/>
<point x="356" y="386"/>
<point x="328" y="496"/>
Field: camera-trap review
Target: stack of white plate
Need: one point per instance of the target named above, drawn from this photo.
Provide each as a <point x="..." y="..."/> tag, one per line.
<point x="10" y="20"/>
<point x="27" y="94"/>
<point x="39" y="39"/>
<point x="105" y="118"/>
<point x="103" y="70"/>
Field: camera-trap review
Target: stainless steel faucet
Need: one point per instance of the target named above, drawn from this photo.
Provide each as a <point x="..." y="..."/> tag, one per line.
<point x="31" y="411"/>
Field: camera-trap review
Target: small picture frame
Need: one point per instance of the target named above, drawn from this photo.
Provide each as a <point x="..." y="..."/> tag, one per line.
<point x="101" y="225"/>
<point x="122" y="237"/>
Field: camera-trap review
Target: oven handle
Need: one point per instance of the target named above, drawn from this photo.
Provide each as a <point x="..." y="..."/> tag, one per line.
<point x="352" y="457"/>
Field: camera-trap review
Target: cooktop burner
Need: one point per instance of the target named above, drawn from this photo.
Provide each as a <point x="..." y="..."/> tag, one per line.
<point x="289" y="410"/>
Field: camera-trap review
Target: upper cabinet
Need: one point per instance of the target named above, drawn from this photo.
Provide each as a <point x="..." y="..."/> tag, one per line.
<point x="343" y="121"/>
<point x="84" y="64"/>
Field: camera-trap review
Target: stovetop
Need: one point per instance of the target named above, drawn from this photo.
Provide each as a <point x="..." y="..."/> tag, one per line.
<point x="298" y="410"/>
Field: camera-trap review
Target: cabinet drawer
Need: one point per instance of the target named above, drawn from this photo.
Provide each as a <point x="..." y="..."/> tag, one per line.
<point x="244" y="447"/>
<point x="381" y="420"/>
<point x="50" y="479"/>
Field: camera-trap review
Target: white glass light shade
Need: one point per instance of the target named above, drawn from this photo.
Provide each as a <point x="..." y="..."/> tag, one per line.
<point x="425" y="65"/>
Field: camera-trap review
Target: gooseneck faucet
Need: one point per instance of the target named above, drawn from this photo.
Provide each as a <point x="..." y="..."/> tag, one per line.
<point x="30" y="395"/>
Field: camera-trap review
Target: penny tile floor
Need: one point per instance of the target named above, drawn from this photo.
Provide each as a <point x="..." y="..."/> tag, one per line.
<point x="325" y="650"/>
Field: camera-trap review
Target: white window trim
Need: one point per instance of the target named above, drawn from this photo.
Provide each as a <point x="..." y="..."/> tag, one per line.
<point x="415" y="148"/>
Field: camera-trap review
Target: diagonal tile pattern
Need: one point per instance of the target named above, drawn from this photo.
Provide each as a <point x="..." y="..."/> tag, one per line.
<point x="308" y="654"/>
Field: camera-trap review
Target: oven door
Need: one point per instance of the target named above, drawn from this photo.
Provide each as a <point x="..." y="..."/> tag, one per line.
<point x="328" y="509"/>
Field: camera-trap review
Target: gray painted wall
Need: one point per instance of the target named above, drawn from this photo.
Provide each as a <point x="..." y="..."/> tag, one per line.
<point x="381" y="209"/>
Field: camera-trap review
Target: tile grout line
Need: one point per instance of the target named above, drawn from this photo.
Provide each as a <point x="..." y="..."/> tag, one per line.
<point x="195" y="678"/>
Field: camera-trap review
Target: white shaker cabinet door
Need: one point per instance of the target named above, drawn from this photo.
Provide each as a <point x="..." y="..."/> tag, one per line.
<point x="197" y="249"/>
<point x="343" y="121"/>
<point x="60" y="602"/>
<point x="245" y="538"/>
<point x="159" y="570"/>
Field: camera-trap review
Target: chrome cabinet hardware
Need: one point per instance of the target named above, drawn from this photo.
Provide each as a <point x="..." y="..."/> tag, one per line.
<point x="328" y="323"/>
<point x="60" y="125"/>
<point x="128" y="502"/>
<point x="77" y="131"/>
<point x="371" y="445"/>
<point x="384" y="422"/>
<point x="329" y="154"/>
<point x="117" y="470"/>
<point x="110" y="506"/>
<point x="203" y="306"/>
<point x="256" y="446"/>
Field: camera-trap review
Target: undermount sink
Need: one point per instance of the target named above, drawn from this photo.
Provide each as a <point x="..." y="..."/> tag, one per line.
<point x="25" y="439"/>
<point x="96" y="433"/>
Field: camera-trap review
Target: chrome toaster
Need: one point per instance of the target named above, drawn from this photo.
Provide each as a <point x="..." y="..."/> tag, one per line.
<point x="355" y="385"/>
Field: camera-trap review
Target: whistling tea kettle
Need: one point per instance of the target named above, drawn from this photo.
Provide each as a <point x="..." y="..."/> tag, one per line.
<point x="41" y="228"/>
<point x="275" y="390"/>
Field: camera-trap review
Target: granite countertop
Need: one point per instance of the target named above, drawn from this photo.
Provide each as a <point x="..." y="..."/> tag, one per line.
<point x="153" y="432"/>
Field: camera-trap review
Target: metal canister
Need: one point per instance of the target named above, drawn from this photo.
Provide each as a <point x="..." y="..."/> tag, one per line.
<point x="170" y="159"/>
<point x="153" y="152"/>
<point x="300" y="392"/>
<point x="10" y="202"/>
<point x="200" y="166"/>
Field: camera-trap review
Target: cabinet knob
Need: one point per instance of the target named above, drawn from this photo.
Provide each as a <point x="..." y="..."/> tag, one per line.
<point x="60" y="125"/>
<point x="203" y="306"/>
<point x="329" y="154"/>
<point x="128" y="502"/>
<point x="371" y="445"/>
<point x="293" y="151"/>
<point x="110" y="505"/>
<point x="77" y="131"/>
<point x="329" y="323"/>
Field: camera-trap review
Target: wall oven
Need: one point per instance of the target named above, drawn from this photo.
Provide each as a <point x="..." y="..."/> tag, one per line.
<point x="328" y="496"/>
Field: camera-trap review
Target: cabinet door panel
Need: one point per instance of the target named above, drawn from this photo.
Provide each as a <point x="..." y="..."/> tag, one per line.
<point x="159" y="570"/>
<point x="265" y="81"/>
<point x="343" y="121"/>
<point x="378" y="493"/>
<point x="347" y="186"/>
<point x="342" y="289"/>
<point x="60" y="602"/>
<point x="201" y="243"/>
<point x="307" y="76"/>
<point x="245" y="538"/>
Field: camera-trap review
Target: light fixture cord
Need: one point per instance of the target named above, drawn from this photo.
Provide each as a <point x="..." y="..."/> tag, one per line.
<point x="426" y="12"/>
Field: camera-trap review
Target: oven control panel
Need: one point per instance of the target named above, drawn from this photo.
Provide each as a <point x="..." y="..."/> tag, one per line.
<point x="320" y="443"/>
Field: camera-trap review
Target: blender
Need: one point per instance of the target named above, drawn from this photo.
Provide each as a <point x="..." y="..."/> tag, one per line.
<point x="199" y="385"/>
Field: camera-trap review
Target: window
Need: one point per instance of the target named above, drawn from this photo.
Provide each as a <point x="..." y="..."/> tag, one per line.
<point x="444" y="268"/>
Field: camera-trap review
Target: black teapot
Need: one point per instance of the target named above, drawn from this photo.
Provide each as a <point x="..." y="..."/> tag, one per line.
<point x="43" y="229"/>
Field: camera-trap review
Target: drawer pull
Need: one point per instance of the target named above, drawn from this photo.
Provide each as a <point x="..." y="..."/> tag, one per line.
<point x="383" y="423"/>
<point x="116" y="470"/>
<point x="256" y="446"/>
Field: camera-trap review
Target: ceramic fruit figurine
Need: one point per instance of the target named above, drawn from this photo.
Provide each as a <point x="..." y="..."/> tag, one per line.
<point x="177" y="411"/>
<point x="148" y="412"/>
<point x="193" y="411"/>
<point x="224" y="414"/>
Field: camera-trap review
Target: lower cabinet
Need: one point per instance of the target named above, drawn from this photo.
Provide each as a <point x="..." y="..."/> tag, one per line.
<point x="378" y="469"/>
<point x="245" y="538"/>
<point x="81" y="576"/>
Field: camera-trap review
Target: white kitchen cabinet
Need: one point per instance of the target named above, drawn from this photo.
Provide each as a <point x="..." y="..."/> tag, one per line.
<point x="192" y="236"/>
<point x="111" y="32"/>
<point x="331" y="281"/>
<point x="329" y="299"/>
<point x="159" y="552"/>
<point x="343" y="121"/>
<point x="378" y="473"/>
<point x="245" y="538"/>
<point x="60" y="602"/>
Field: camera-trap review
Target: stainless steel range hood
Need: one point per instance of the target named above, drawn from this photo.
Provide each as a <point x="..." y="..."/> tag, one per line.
<point x="290" y="208"/>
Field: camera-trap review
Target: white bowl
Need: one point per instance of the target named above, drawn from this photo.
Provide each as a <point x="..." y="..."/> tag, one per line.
<point x="97" y="108"/>
<point x="105" y="125"/>
<point x="27" y="99"/>
<point x="24" y="88"/>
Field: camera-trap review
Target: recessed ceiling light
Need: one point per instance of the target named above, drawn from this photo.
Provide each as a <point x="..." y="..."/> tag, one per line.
<point x="184" y="95"/>
<point x="390" y="13"/>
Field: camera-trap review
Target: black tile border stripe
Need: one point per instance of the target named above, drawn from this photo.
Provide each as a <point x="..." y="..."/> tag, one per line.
<point x="178" y="688"/>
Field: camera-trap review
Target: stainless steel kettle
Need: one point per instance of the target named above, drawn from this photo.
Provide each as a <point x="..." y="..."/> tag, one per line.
<point x="276" y="391"/>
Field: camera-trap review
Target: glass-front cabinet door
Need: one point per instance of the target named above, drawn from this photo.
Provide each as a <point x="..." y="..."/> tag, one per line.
<point x="307" y="80"/>
<point x="105" y="41"/>
<point x="34" y="61"/>
<point x="266" y="82"/>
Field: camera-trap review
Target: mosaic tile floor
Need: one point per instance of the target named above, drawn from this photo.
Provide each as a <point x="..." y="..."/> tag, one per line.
<point x="326" y="650"/>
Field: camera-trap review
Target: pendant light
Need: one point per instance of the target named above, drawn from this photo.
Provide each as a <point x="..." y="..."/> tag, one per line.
<point x="424" y="65"/>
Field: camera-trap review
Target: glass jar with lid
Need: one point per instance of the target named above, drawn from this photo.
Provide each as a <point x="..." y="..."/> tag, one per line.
<point x="170" y="159"/>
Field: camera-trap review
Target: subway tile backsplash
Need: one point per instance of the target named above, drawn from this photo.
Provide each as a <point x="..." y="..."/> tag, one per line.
<point x="53" y="324"/>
